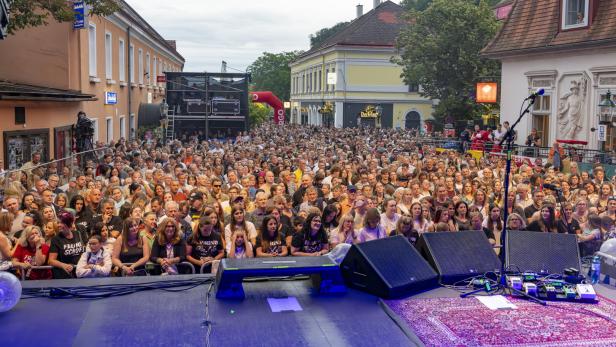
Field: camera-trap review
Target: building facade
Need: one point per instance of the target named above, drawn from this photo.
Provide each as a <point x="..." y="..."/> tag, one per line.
<point x="567" y="48"/>
<point x="350" y="79"/>
<point x="107" y="69"/>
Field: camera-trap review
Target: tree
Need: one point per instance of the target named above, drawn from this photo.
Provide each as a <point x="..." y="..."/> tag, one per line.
<point x="33" y="13"/>
<point x="322" y="35"/>
<point x="258" y="113"/>
<point x="271" y="72"/>
<point x="441" y="52"/>
<point x="420" y="5"/>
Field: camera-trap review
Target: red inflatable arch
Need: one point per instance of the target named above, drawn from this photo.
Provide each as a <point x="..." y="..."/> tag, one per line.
<point x="272" y="100"/>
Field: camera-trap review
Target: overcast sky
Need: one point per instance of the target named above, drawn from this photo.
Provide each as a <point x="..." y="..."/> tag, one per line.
<point x="239" y="31"/>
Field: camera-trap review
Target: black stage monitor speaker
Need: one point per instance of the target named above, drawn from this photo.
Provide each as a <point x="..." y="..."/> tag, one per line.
<point x="388" y="268"/>
<point x="458" y="255"/>
<point x="541" y="252"/>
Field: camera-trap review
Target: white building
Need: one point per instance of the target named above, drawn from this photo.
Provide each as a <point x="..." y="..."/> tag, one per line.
<point x="567" y="47"/>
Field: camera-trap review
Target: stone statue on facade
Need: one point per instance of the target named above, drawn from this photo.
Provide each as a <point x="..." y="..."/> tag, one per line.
<point x="571" y="111"/>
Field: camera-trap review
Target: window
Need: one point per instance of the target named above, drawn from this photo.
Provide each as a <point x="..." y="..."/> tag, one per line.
<point x="413" y="88"/>
<point x="154" y="76"/>
<point x="95" y="124"/>
<point x="320" y="80"/>
<point x="140" y="71"/>
<point x="109" y="124"/>
<point x="122" y="126"/>
<point x="92" y="49"/>
<point x="131" y="62"/>
<point x="542" y="110"/>
<point x="148" y="71"/>
<point x="121" y="61"/>
<point x="575" y="13"/>
<point x="131" y="126"/>
<point x="108" y="57"/>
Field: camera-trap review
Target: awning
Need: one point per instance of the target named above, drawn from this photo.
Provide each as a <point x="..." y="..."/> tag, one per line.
<point x="16" y="91"/>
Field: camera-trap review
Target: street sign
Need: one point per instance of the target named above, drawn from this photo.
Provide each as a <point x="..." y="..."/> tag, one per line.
<point x="161" y="79"/>
<point x="602" y="132"/>
<point x="79" y="8"/>
<point x="111" y="98"/>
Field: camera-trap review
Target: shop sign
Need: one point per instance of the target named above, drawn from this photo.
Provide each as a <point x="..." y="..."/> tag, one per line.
<point x="370" y="112"/>
<point x="111" y="98"/>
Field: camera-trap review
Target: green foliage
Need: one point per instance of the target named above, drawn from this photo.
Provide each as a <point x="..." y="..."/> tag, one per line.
<point x="441" y="52"/>
<point x="420" y="5"/>
<point x="271" y="72"/>
<point x="33" y="13"/>
<point x="322" y="35"/>
<point x="259" y="113"/>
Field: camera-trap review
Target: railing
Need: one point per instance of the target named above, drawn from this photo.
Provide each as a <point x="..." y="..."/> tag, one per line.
<point x="576" y="154"/>
<point x="65" y="168"/>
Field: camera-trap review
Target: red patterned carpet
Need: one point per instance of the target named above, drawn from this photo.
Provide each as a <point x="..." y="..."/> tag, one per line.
<point x="467" y="322"/>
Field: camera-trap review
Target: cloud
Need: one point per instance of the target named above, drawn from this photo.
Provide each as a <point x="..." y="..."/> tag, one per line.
<point x="239" y="31"/>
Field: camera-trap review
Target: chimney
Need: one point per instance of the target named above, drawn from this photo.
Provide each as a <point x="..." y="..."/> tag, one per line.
<point x="360" y="10"/>
<point x="376" y="3"/>
<point x="172" y="44"/>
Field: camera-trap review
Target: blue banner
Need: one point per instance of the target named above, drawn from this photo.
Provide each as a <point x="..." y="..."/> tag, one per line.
<point x="80" y="13"/>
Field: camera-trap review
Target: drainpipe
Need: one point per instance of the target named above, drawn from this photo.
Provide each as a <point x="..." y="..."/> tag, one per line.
<point x="130" y="83"/>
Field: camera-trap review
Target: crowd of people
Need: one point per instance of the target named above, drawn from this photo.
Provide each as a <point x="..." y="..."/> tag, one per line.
<point x="145" y="207"/>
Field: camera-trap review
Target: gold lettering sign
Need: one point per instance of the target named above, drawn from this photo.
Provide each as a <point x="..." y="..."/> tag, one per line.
<point x="370" y="112"/>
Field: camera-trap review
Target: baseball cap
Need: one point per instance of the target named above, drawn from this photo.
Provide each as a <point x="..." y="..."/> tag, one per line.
<point x="351" y="188"/>
<point x="196" y="196"/>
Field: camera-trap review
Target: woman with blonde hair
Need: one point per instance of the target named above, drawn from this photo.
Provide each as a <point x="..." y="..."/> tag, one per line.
<point x="50" y="229"/>
<point x="30" y="251"/>
<point x="169" y="248"/>
<point x="344" y="233"/>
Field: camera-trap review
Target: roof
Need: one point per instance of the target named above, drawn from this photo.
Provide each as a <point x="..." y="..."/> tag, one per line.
<point x="534" y="26"/>
<point x="128" y="10"/>
<point x="16" y="91"/>
<point x="379" y="27"/>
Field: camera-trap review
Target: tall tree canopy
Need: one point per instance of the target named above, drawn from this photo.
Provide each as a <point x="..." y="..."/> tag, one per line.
<point x="441" y="52"/>
<point x="271" y="72"/>
<point x="420" y="5"/>
<point x="33" y="13"/>
<point x="322" y="35"/>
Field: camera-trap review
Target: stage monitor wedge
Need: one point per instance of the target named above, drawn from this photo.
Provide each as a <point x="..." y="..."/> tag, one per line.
<point x="388" y="268"/>
<point x="458" y="255"/>
<point x="541" y="252"/>
<point x="325" y="273"/>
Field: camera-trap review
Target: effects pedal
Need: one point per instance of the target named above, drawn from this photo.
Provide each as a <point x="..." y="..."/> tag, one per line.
<point x="530" y="289"/>
<point x="586" y="292"/>
<point x="515" y="282"/>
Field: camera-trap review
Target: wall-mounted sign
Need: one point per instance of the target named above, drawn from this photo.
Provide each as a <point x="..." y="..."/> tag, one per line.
<point x="332" y="78"/>
<point x="161" y="79"/>
<point x="111" y="98"/>
<point x="487" y="92"/>
<point x="79" y="7"/>
<point x="602" y="133"/>
<point x="370" y="112"/>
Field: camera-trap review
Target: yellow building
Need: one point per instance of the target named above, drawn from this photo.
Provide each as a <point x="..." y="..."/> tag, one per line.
<point x="350" y="80"/>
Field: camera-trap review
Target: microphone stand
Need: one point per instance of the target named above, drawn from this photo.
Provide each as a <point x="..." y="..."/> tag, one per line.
<point x="503" y="286"/>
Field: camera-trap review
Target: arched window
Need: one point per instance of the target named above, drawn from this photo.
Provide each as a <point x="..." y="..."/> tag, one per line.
<point x="412" y="120"/>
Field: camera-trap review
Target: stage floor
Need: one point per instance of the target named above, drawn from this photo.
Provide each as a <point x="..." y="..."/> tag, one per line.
<point x="157" y="318"/>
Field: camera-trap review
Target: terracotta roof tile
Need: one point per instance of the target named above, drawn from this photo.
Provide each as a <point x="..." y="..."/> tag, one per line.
<point x="379" y="27"/>
<point x="535" y="26"/>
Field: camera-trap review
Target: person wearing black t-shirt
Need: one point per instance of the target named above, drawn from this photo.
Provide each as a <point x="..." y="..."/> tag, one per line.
<point x="404" y="227"/>
<point x="270" y="243"/>
<point x="83" y="220"/>
<point x="312" y="240"/>
<point x="66" y="248"/>
<point x="113" y="223"/>
<point x="131" y="250"/>
<point x="204" y="246"/>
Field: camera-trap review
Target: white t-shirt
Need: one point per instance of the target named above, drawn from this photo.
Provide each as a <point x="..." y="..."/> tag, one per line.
<point x="366" y="234"/>
<point x="251" y="232"/>
<point x="389" y="224"/>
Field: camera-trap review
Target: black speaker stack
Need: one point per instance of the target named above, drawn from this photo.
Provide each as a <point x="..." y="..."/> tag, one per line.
<point x="393" y="268"/>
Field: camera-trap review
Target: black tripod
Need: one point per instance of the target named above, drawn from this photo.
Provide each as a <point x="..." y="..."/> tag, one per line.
<point x="503" y="286"/>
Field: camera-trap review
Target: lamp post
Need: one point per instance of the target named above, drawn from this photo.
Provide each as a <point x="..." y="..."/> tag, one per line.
<point x="379" y="111"/>
<point x="606" y="112"/>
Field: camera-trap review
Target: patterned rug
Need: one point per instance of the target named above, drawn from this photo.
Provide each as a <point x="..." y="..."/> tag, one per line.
<point x="467" y="322"/>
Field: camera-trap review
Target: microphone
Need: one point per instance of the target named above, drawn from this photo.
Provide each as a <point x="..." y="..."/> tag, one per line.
<point x="539" y="92"/>
<point x="550" y="187"/>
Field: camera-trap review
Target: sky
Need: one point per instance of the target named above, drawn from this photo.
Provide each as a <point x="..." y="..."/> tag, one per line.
<point x="239" y="31"/>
